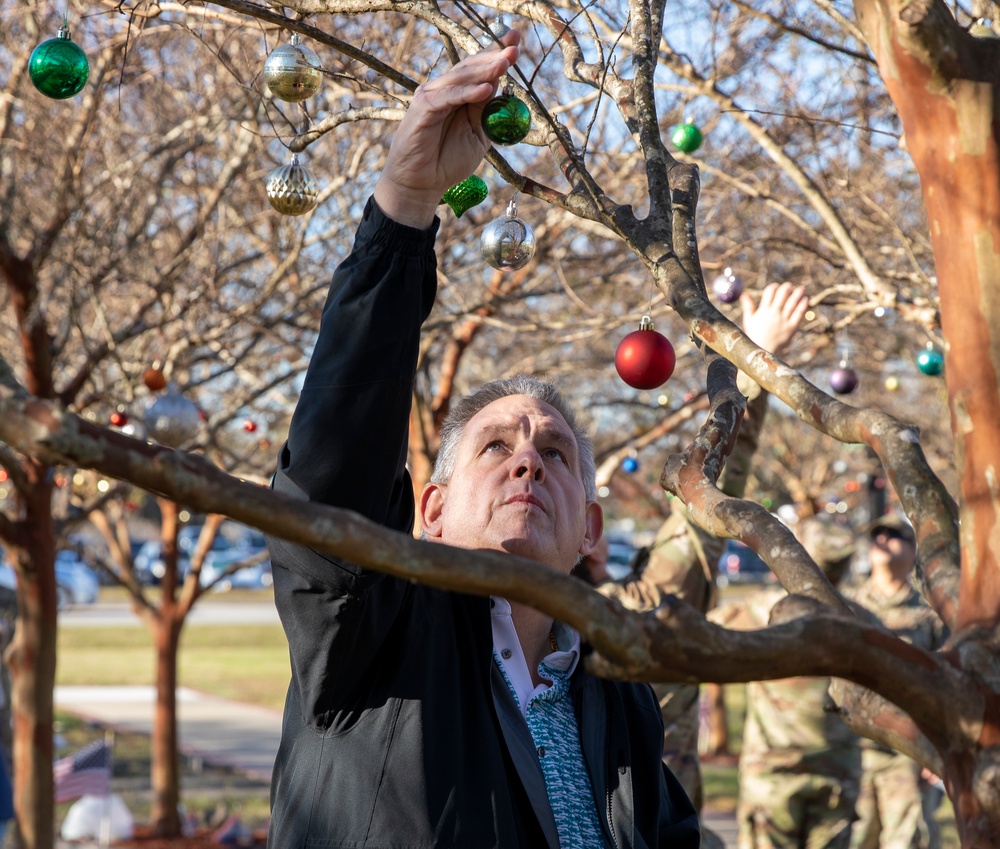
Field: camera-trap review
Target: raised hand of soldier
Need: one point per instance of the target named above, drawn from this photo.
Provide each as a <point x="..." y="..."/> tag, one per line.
<point x="774" y="322"/>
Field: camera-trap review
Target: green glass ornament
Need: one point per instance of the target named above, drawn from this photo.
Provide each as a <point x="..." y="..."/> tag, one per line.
<point x="506" y="119"/>
<point x="930" y="361"/>
<point x="292" y="189"/>
<point x="471" y="192"/>
<point x="292" y="71"/>
<point x="687" y="137"/>
<point x="59" y="68"/>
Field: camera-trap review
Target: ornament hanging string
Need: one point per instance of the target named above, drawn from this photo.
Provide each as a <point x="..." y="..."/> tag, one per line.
<point x="812" y="120"/>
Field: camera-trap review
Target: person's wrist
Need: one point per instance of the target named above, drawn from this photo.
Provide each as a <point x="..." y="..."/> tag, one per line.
<point x="404" y="205"/>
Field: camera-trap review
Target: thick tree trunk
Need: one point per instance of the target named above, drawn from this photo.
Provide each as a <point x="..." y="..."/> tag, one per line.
<point x="946" y="87"/>
<point x="31" y="658"/>
<point x="165" y="773"/>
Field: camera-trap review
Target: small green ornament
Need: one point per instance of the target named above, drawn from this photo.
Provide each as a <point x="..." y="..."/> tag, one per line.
<point x="687" y="137"/>
<point x="930" y="361"/>
<point x="471" y="192"/>
<point x="506" y="119"/>
<point x="59" y="68"/>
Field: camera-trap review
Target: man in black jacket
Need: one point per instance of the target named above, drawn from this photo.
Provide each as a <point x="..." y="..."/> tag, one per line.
<point x="418" y="717"/>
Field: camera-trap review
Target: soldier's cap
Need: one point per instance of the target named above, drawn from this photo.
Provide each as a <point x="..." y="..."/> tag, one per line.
<point x="894" y="524"/>
<point x="825" y="541"/>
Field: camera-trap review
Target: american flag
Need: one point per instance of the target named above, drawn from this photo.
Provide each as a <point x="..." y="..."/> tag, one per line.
<point x="88" y="772"/>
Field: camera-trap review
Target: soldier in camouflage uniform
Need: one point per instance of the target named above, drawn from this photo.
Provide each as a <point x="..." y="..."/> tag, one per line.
<point x="890" y="809"/>
<point x="683" y="559"/>
<point x="800" y="765"/>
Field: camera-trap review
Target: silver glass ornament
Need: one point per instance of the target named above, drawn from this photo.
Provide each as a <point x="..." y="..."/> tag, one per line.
<point x="172" y="419"/>
<point x="498" y="29"/>
<point x="292" y="189"/>
<point x="292" y="71"/>
<point x="508" y="242"/>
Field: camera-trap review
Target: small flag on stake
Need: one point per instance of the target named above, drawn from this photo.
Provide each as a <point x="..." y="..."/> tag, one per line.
<point x="87" y="773"/>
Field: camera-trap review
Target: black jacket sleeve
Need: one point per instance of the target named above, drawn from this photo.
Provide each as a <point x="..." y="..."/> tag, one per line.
<point x="347" y="448"/>
<point x="348" y="436"/>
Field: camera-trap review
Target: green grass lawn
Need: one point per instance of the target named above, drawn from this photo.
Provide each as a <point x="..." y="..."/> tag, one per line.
<point x="244" y="662"/>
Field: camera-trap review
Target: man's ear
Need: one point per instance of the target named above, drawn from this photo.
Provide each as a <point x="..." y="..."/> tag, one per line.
<point x="594" y="527"/>
<point x="432" y="500"/>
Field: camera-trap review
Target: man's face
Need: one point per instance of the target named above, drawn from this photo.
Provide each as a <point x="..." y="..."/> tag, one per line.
<point x="515" y="487"/>
<point x="892" y="549"/>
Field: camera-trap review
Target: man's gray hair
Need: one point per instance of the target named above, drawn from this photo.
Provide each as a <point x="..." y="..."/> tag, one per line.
<point x="521" y="384"/>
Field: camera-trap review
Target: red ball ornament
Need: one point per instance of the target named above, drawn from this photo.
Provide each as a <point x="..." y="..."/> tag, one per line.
<point x="154" y="379"/>
<point x="645" y="358"/>
<point x="119" y="418"/>
<point x="249" y="426"/>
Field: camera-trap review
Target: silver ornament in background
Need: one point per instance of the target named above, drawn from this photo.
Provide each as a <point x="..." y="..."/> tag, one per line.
<point x="508" y="242"/>
<point x="292" y="189"/>
<point x="172" y="419"/>
<point x="292" y="71"/>
<point x="498" y="29"/>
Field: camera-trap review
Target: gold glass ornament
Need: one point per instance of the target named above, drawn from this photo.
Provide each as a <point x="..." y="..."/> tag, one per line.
<point x="292" y="71"/>
<point x="292" y="189"/>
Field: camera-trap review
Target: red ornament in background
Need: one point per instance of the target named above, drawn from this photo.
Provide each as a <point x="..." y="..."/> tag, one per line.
<point x="249" y="426"/>
<point x="645" y="358"/>
<point x="154" y="379"/>
<point x="119" y="418"/>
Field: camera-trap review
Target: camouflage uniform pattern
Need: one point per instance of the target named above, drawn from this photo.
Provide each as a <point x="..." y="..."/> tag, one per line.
<point x="890" y="807"/>
<point x="800" y="766"/>
<point x="682" y="562"/>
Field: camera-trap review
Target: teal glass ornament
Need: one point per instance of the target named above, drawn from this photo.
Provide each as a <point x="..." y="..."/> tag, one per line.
<point x="59" y="68"/>
<point x="687" y="137"/>
<point x="506" y="119"/>
<point x="461" y="197"/>
<point x="930" y="361"/>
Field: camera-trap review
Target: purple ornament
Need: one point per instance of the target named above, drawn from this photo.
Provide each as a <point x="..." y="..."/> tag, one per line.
<point x="843" y="380"/>
<point x="727" y="287"/>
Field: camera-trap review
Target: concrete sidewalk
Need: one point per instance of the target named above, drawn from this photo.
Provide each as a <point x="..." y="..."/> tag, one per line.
<point x="232" y="734"/>
<point x="222" y="732"/>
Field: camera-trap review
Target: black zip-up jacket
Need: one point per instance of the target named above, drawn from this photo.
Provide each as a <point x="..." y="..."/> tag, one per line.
<point x="398" y="730"/>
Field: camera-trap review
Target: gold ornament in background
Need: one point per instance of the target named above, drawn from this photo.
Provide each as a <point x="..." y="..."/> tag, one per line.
<point x="292" y="189"/>
<point x="292" y="71"/>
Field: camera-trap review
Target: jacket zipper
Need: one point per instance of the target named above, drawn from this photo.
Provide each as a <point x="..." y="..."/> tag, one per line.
<point x="608" y="767"/>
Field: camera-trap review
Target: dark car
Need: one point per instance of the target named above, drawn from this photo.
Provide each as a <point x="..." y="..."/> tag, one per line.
<point x="742" y="565"/>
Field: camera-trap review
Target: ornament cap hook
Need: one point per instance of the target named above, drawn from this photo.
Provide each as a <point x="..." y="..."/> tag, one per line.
<point x="512" y="209"/>
<point x="296" y="39"/>
<point x="646" y="323"/>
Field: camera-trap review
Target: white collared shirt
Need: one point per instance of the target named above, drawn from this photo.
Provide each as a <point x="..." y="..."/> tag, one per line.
<point x="508" y="649"/>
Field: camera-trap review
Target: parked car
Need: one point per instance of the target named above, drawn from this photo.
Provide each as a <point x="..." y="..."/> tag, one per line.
<point x="740" y="564"/>
<point x="76" y="582"/>
<point x="255" y="576"/>
<point x="149" y="566"/>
